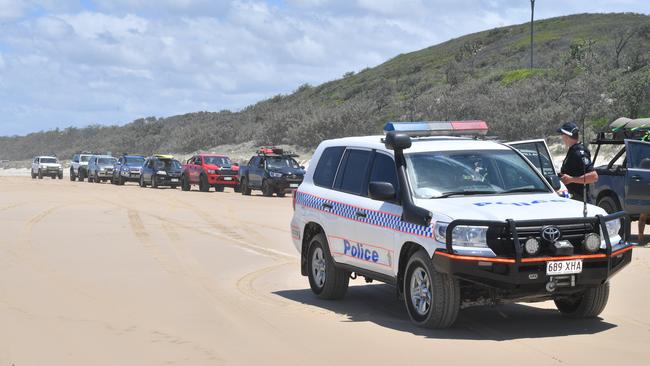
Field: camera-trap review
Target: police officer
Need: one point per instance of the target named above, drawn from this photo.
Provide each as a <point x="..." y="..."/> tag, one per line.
<point x="577" y="168"/>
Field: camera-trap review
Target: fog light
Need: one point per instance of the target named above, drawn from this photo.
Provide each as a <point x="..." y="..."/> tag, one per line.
<point x="532" y="246"/>
<point x="592" y="242"/>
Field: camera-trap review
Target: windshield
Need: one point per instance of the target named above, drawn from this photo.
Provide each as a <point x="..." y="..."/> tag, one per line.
<point x="167" y="164"/>
<point x="49" y="161"/>
<point x="447" y="173"/>
<point x="106" y="161"/>
<point x="136" y="161"/>
<point x="84" y="158"/>
<point x="281" y="162"/>
<point x="217" y="160"/>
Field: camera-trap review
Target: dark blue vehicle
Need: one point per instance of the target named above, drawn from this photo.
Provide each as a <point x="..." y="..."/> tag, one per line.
<point x="161" y="170"/>
<point x="127" y="169"/>
<point x="624" y="182"/>
<point x="271" y="171"/>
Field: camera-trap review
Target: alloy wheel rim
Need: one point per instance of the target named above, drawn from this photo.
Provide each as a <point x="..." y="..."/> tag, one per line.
<point x="318" y="267"/>
<point x="420" y="291"/>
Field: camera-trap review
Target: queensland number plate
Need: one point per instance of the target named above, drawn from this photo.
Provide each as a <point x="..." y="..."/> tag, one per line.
<point x="174" y="179"/>
<point x="564" y="267"/>
<point x="227" y="178"/>
<point x="294" y="185"/>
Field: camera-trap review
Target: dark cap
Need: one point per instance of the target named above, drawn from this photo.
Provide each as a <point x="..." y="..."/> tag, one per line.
<point x="569" y="129"/>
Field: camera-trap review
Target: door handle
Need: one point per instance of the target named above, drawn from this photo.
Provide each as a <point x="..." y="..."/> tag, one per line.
<point x="327" y="205"/>
<point x="361" y="214"/>
<point x="637" y="178"/>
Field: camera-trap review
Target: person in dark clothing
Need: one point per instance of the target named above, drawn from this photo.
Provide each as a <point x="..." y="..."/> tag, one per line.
<point x="577" y="169"/>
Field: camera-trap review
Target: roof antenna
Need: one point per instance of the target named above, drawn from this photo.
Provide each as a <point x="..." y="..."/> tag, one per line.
<point x="584" y="172"/>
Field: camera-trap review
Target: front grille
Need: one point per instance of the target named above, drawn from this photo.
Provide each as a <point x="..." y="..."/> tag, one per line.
<point x="500" y="240"/>
<point x="227" y="172"/>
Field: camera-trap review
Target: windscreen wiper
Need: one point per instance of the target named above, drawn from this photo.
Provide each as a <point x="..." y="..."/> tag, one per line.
<point x="463" y="193"/>
<point x="525" y="189"/>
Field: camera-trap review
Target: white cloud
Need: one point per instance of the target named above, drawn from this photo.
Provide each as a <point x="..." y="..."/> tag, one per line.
<point x="62" y="64"/>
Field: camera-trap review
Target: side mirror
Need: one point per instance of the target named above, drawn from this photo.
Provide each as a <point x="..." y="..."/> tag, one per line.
<point x="381" y="191"/>
<point x="397" y="141"/>
<point x="302" y="167"/>
<point x="554" y="181"/>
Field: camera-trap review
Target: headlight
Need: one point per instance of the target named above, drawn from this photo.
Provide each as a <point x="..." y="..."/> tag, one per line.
<point x="212" y="171"/>
<point x="275" y="175"/>
<point x="467" y="236"/>
<point x="102" y="169"/>
<point x="161" y="172"/>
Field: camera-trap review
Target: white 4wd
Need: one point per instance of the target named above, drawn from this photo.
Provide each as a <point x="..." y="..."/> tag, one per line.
<point x="78" y="167"/>
<point x="452" y="222"/>
<point x="46" y="166"/>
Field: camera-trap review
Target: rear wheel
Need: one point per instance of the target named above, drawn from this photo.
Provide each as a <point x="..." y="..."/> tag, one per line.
<point x="218" y="188"/>
<point x="203" y="183"/>
<point x="325" y="280"/>
<point x="245" y="190"/>
<point x="281" y="193"/>
<point x="237" y="188"/>
<point x="432" y="298"/>
<point x="588" y="304"/>
<point x="185" y="184"/>
<point x="267" y="191"/>
<point x="61" y="176"/>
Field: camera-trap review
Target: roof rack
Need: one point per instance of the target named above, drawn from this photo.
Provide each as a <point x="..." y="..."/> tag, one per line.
<point x="274" y="151"/>
<point x="624" y="129"/>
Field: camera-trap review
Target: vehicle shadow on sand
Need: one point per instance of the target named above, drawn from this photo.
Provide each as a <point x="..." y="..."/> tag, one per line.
<point x="378" y="304"/>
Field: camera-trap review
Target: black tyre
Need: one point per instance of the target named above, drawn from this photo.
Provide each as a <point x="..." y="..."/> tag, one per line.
<point x="154" y="184"/>
<point x="588" y="304"/>
<point x="40" y="174"/>
<point x="185" y="184"/>
<point x="33" y="175"/>
<point x="53" y="176"/>
<point x="281" y="193"/>
<point x="142" y="182"/>
<point x="432" y="298"/>
<point x="245" y="189"/>
<point x="267" y="191"/>
<point x="203" y="183"/>
<point x="218" y="188"/>
<point x="173" y="187"/>
<point x="73" y="177"/>
<point x="120" y="180"/>
<point x="608" y="204"/>
<point x="237" y="188"/>
<point x="60" y="176"/>
<point x="81" y="176"/>
<point x="326" y="281"/>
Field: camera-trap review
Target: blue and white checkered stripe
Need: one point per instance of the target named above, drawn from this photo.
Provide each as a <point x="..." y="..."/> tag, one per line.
<point x="376" y="218"/>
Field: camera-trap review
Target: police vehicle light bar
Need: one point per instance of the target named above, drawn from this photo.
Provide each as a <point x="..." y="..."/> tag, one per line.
<point x="439" y="128"/>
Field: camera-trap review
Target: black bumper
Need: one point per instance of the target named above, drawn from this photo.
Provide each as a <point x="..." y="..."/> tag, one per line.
<point x="165" y="180"/>
<point x="520" y="276"/>
<point x="283" y="183"/>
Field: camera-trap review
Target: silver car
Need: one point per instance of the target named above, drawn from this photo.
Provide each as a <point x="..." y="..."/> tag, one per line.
<point x="100" y="168"/>
<point x="46" y="166"/>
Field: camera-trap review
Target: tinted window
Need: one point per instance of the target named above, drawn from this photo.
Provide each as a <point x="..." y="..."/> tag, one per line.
<point x="383" y="170"/>
<point x="134" y="160"/>
<point x="538" y="155"/>
<point x="216" y="160"/>
<point x="327" y="165"/>
<point x="353" y="178"/>
<point x="48" y="160"/>
<point x="254" y="161"/>
<point x="638" y="155"/>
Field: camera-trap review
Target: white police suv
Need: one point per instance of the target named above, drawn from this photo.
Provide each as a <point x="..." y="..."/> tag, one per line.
<point x="452" y="222"/>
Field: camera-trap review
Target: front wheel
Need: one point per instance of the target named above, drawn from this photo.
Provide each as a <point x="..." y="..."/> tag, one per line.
<point x="203" y="183"/>
<point x="432" y="298"/>
<point x="72" y="176"/>
<point x="588" y="304"/>
<point x="267" y="191"/>
<point x="185" y="184"/>
<point x="218" y="188"/>
<point x="154" y="184"/>
<point x="40" y="174"/>
<point x="142" y="182"/>
<point x="245" y="189"/>
<point x="325" y="280"/>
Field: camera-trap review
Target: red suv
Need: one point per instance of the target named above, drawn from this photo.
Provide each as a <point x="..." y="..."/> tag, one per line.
<point x="209" y="170"/>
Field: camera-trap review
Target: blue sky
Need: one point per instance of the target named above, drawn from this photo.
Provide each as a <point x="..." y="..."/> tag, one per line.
<point x="79" y="62"/>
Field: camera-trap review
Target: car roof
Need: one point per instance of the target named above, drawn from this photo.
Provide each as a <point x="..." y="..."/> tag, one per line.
<point x="47" y="156"/>
<point x="420" y="144"/>
<point x="213" y="155"/>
